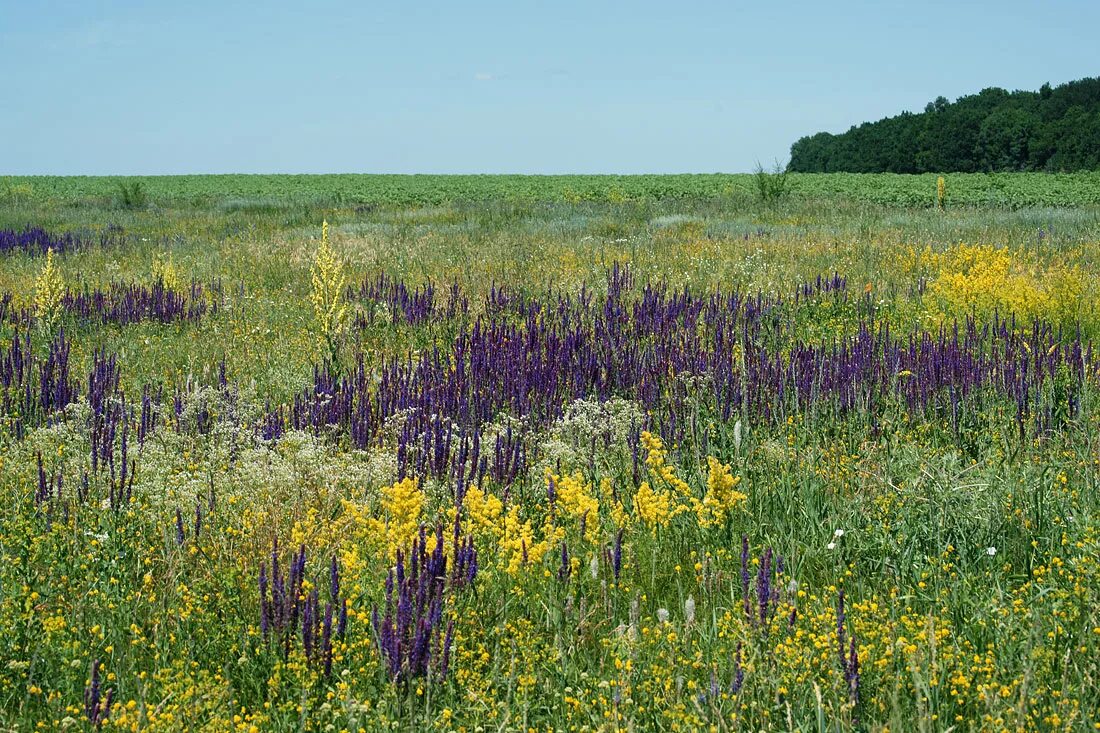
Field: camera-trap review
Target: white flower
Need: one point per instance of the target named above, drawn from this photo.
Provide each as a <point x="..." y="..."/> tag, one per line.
<point x="830" y="546"/>
<point x="689" y="609"/>
<point x="662" y="615"/>
<point x="737" y="435"/>
<point x="594" y="567"/>
<point x="838" y="533"/>
<point x="991" y="551"/>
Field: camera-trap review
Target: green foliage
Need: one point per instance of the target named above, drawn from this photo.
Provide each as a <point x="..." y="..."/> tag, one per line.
<point x="1050" y="130"/>
<point x="16" y="193"/>
<point x="293" y="199"/>
<point x="131" y="194"/>
<point x="771" y="186"/>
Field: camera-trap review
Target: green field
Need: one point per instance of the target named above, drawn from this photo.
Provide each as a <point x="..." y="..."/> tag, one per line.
<point x="695" y="460"/>
<point x="244" y="191"/>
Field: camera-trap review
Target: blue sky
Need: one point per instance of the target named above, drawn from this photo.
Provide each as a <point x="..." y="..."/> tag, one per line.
<point x="484" y="87"/>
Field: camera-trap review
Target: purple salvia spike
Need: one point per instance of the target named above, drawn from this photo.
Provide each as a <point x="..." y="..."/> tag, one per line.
<point x="326" y="639"/>
<point x="745" y="575"/>
<point x="738" y="673"/>
<point x="617" y="556"/>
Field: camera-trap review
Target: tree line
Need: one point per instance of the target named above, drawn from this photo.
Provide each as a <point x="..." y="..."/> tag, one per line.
<point x="1053" y="129"/>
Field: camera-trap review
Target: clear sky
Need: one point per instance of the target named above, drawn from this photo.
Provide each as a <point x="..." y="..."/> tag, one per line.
<point x="372" y="86"/>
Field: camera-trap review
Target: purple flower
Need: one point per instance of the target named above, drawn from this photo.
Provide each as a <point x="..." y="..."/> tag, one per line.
<point x="179" y="528"/>
<point x="745" y="577"/>
<point x="851" y="673"/>
<point x="763" y="586"/>
<point x="738" y="673"/>
<point x="565" y="570"/>
<point x="617" y="555"/>
<point x="409" y="631"/>
<point x="96" y="707"/>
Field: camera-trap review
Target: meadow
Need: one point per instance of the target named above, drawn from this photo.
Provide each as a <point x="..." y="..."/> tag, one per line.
<point x="324" y="453"/>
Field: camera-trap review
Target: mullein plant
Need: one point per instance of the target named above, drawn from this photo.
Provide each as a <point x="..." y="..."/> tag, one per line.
<point x="941" y="193"/>
<point x="330" y="307"/>
<point x="49" y="291"/>
<point x="165" y="272"/>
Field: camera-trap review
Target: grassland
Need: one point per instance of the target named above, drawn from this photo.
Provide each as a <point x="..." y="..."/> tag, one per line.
<point x="648" y="453"/>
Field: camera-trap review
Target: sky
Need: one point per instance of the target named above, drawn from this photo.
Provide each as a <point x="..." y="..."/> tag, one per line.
<point x="372" y="86"/>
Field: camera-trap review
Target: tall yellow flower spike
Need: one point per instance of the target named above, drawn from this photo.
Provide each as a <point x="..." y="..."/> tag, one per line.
<point x="941" y="192"/>
<point x="164" y="270"/>
<point x="327" y="296"/>
<point x="49" y="289"/>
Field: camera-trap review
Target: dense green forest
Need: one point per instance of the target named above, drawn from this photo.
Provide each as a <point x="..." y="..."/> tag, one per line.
<point x="1053" y="129"/>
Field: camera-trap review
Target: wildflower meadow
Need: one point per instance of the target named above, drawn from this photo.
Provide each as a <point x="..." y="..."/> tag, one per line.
<point x="575" y="453"/>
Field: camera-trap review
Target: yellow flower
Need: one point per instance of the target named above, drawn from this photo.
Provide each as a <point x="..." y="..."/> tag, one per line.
<point x="517" y="545"/>
<point x="721" y="494"/>
<point x="484" y="510"/>
<point x="49" y="289"/>
<point x="658" y="467"/>
<point x="575" y="497"/>
<point x="164" y="271"/>
<point x="403" y="503"/>
<point x="327" y="295"/>
<point x="984" y="279"/>
<point x="652" y="507"/>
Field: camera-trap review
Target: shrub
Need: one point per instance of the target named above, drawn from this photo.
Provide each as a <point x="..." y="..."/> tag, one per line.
<point x="132" y="195"/>
<point x="771" y="186"/>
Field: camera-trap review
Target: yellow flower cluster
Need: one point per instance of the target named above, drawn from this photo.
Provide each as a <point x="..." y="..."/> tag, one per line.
<point x="982" y="279"/>
<point x="518" y="546"/>
<point x="403" y="503"/>
<point x="402" y="509"/>
<point x="49" y="289"/>
<point x="484" y="511"/>
<point x="655" y="507"/>
<point x="656" y="460"/>
<point x="164" y="271"/>
<point x="327" y="295"/>
<point x="575" y="497"/>
<point x="722" y="494"/>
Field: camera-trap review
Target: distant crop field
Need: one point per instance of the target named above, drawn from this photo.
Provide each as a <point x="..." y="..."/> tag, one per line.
<point x="322" y="453"/>
<point x="998" y="190"/>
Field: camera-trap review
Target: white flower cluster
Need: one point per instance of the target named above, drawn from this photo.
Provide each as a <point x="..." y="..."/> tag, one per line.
<point x="589" y="423"/>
